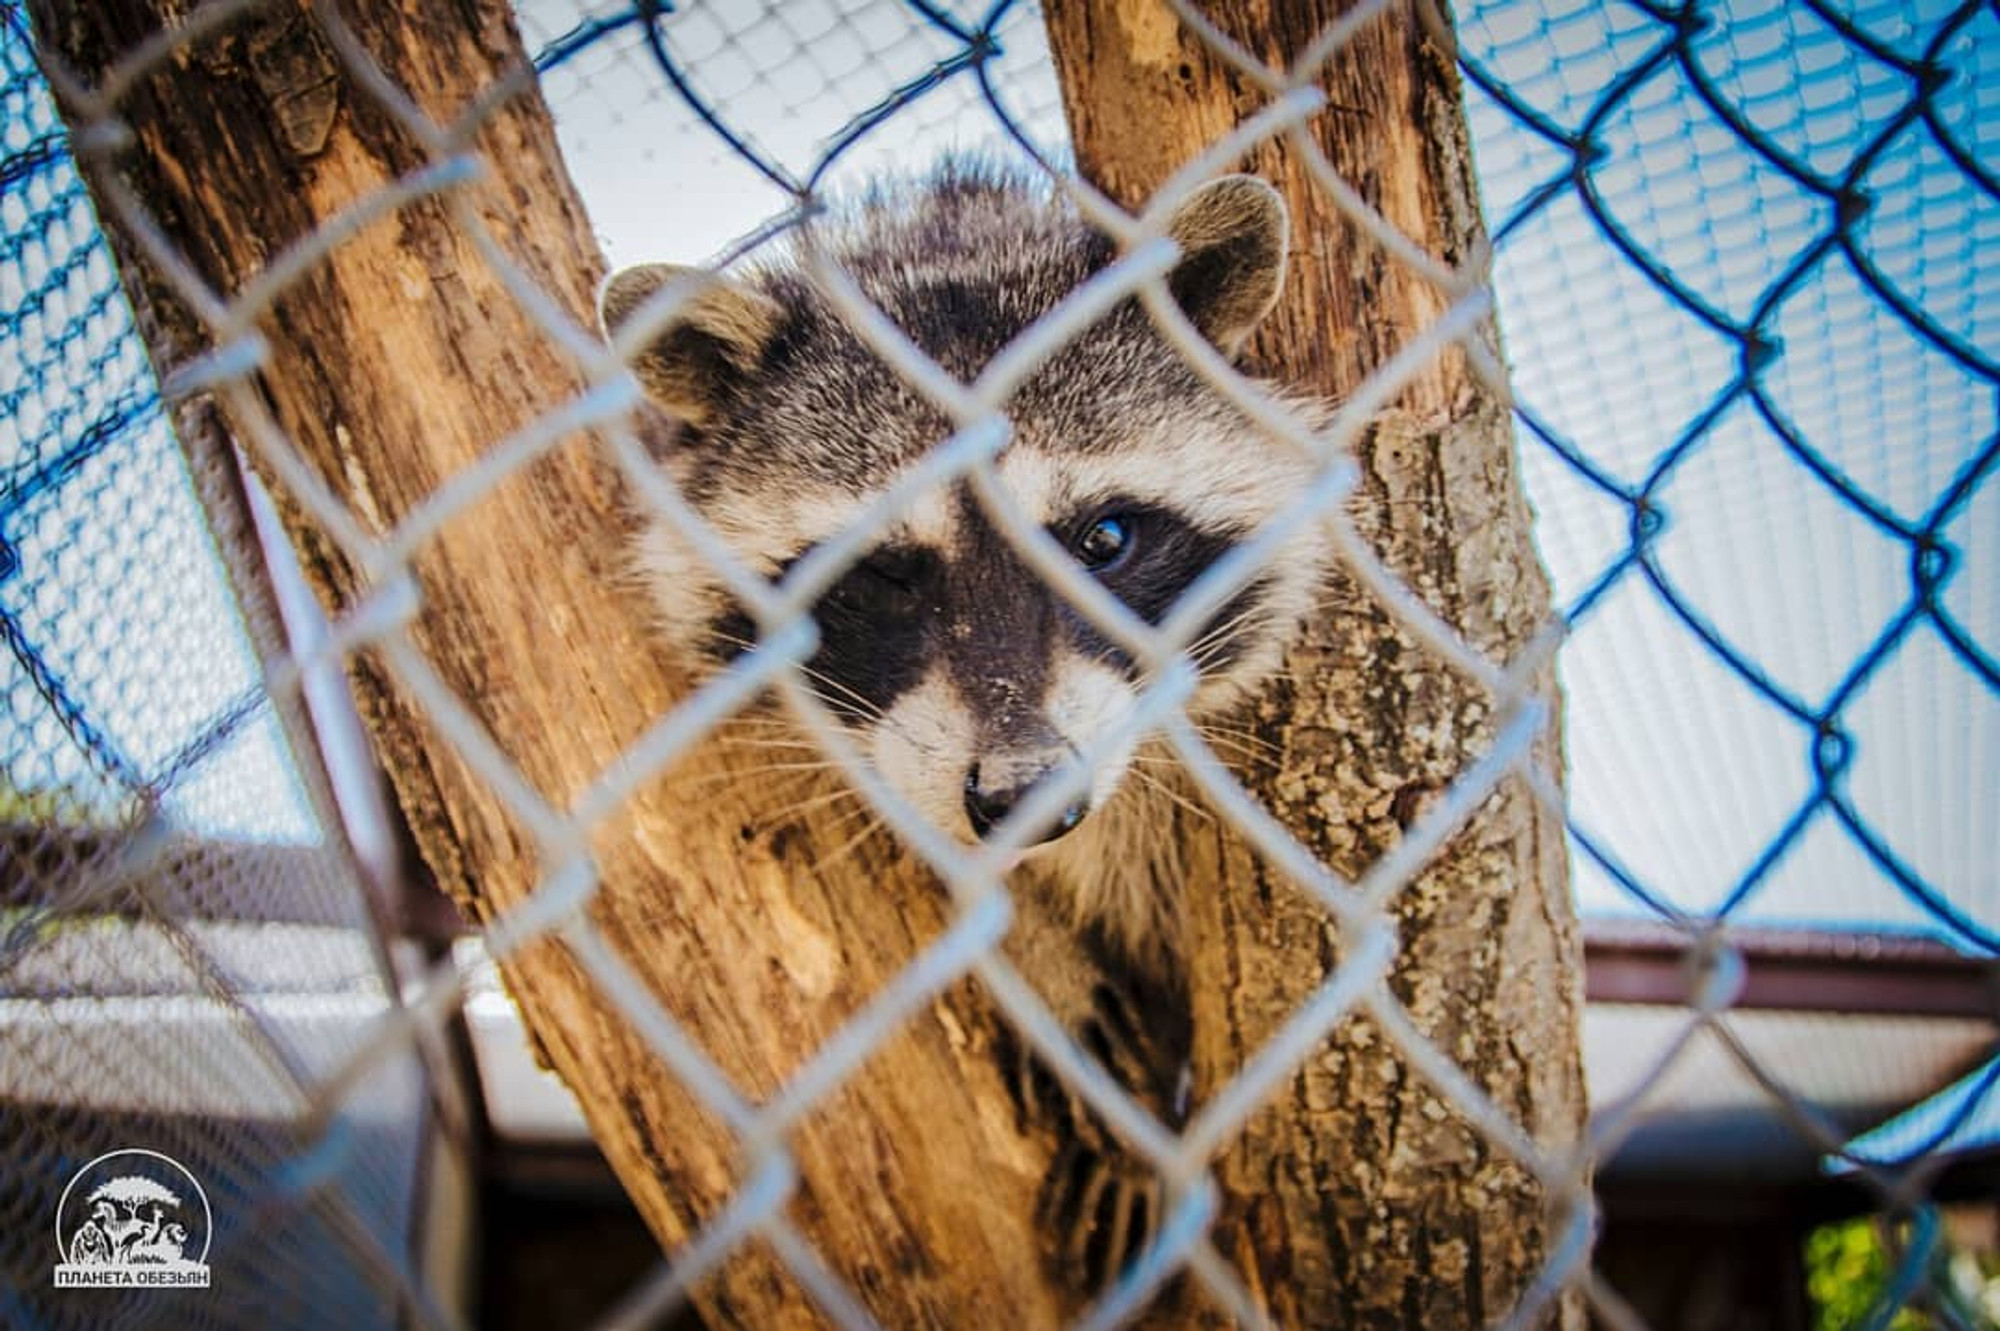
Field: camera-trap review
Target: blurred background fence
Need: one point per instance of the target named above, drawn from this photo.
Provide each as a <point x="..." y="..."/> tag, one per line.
<point x="1744" y="274"/>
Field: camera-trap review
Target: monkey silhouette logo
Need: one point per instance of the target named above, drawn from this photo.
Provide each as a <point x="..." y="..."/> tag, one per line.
<point x="133" y="1218"/>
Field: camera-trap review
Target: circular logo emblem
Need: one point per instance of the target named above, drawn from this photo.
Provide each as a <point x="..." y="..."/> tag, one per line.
<point x="133" y="1217"/>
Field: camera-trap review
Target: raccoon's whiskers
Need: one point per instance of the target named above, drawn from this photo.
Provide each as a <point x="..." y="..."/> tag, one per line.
<point x="819" y="765"/>
<point x="1204" y="650"/>
<point x="1341" y="593"/>
<point x="1236" y="732"/>
<point x="768" y="740"/>
<point x="1153" y="751"/>
<point x="770" y="734"/>
<point x="1247" y="748"/>
<point x="1154" y="783"/>
<point x="1217" y="631"/>
<point x="868" y="710"/>
<point x="834" y="856"/>
<point x="824" y="799"/>
<point x="786" y="774"/>
<point x="820" y="801"/>
<point x="854" y="699"/>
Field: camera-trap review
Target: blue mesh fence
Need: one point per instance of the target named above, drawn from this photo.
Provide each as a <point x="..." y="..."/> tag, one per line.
<point x="1786" y="438"/>
<point x="1744" y="276"/>
<point x="183" y="941"/>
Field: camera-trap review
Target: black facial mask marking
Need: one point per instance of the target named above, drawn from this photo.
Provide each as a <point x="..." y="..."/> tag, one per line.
<point x="873" y="628"/>
<point x="1157" y="555"/>
<point x="989" y="620"/>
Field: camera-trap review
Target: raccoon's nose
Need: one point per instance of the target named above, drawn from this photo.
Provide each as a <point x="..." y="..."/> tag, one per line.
<point x="986" y="808"/>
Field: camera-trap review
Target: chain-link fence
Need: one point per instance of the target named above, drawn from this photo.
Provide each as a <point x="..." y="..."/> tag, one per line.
<point x="188" y="952"/>
<point x="1737" y="260"/>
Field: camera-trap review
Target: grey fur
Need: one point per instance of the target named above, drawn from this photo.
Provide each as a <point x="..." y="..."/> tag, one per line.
<point x="963" y="677"/>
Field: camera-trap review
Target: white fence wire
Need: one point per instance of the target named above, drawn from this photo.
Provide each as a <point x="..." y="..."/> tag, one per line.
<point x="707" y="64"/>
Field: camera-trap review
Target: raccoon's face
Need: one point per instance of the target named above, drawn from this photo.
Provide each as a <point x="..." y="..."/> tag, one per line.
<point x="966" y="678"/>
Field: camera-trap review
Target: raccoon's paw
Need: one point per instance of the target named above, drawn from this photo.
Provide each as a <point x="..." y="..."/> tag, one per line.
<point x="1098" y="1211"/>
<point x="1149" y="1059"/>
<point x="1147" y="1066"/>
<point x="1100" y="1205"/>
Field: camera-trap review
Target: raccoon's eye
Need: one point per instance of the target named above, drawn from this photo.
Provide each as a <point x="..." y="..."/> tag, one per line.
<point x="1105" y="543"/>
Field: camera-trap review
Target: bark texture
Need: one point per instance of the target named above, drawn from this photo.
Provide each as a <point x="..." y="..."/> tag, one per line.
<point x="1358" y="1198"/>
<point x="394" y="363"/>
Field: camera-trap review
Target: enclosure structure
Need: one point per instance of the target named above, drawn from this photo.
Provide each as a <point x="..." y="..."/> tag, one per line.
<point x="1763" y="527"/>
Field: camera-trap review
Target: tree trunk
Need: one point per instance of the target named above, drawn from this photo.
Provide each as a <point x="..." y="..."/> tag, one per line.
<point x="1358" y="1197"/>
<point x="394" y="364"/>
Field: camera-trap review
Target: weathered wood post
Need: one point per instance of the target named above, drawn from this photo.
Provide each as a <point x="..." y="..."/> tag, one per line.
<point x="1358" y="1198"/>
<point x="394" y="364"/>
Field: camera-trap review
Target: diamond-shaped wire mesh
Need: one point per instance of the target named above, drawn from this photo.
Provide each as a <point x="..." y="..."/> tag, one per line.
<point x="186" y="952"/>
<point x="1737" y="264"/>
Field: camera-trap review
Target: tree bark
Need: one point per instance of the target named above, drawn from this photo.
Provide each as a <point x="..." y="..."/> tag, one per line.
<point x="394" y="364"/>
<point x="1358" y="1197"/>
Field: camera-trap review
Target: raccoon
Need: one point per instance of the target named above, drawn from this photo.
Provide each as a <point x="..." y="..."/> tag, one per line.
<point x="962" y="677"/>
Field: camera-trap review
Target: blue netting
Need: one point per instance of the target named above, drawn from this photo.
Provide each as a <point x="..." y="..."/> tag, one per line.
<point x="1745" y="281"/>
<point x="126" y="673"/>
<point x="133" y="724"/>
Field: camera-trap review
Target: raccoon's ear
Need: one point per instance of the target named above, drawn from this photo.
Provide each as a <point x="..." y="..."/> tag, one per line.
<point x="712" y="346"/>
<point x="1232" y="233"/>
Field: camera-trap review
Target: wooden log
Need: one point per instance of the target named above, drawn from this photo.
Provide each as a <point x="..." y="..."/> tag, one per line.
<point x="1358" y="1197"/>
<point x="394" y="364"/>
